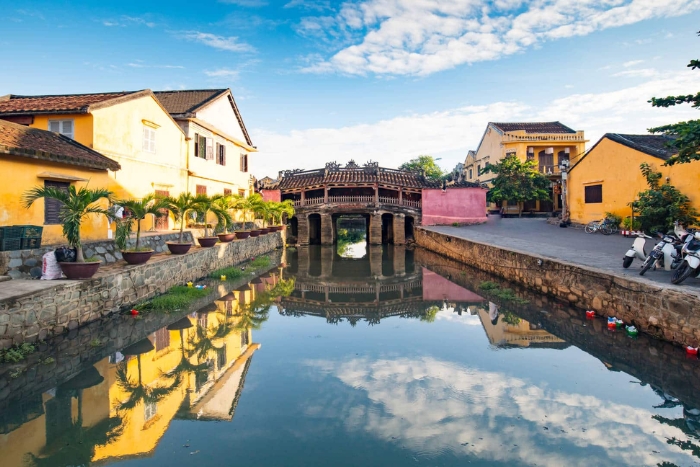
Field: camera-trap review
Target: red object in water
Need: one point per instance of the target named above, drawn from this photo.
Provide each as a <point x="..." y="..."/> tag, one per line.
<point x="590" y="314"/>
<point x="691" y="350"/>
<point x="134" y="312"/>
<point x="612" y="326"/>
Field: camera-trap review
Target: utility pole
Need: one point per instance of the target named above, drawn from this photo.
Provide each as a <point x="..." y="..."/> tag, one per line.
<point x="564" y="166"/>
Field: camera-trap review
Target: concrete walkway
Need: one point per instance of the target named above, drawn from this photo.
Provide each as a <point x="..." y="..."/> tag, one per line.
<point x="18" y="288"/>
<point x="571" y="245"/>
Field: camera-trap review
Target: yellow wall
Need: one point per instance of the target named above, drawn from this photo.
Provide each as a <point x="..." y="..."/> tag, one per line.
<point x="616" y="167"/>
<point x="83" y="127"/>
<point x="24" y="173"/>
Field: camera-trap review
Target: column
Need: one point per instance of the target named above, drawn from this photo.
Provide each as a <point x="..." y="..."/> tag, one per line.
<point x="400" y="260"/>
<point x="303" y="228"/>
<point x="375" y="260"/>
<point x="400" y="196"/>
<point x="399" y="229"/>
<point x="376" y="194"/>
<point x="326" y="229"/>
<point x="375" y="229"/>
<point x="303" y="198"/>
<point x="327" y="255"/>
<point x="325" y="194"/>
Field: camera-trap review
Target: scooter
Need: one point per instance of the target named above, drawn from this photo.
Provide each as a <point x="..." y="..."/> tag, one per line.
<point x="637" y="250"/>
<point x="690" y="265"/>
<point x="666" y="254"/>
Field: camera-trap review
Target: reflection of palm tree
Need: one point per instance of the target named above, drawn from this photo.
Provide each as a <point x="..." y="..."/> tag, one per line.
<point x="184" y="366"/>
<point x="688" y="425"/>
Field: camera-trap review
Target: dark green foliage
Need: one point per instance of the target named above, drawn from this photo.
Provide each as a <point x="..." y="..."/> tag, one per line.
<point x="424" y="164"/>
<point x="260" y="262"/>
<point x="662" y="204"/>
<point x="686" y="134"/>
<point x="177" y="298"/>
<point x="16" y="353"/>
<point x="506" y="295"/>
<point x="517" y="181"/>
<point x="232" y="273"/>
<point x="347" y="237"/>
<point x="139" y="209"/>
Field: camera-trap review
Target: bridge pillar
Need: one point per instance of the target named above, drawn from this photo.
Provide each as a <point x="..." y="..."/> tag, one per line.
<point x="399" y="229"/>
<point x="375" y="229"/>
<point x="303" y="229"/>
<point x="327" y="255"/>
<point x="375" y="260"/>
<point x="326" y="229"/>
<point x="399" y="260"/>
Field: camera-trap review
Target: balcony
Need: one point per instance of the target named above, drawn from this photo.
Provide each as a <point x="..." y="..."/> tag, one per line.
<point x="544" y="138"/>
<point x="358" y="200"/>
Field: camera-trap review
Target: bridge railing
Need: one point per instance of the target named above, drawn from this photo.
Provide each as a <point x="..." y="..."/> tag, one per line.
<point x="358" y="199"/>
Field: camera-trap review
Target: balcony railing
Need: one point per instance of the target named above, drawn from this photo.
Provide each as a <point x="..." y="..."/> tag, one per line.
<point x="358" y="200"/>
<point x="550" y="169"/>
<point x="577" y="137"/>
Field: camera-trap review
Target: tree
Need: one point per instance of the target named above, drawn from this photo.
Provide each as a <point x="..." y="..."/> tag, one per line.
<point x="251" y="205"/>
<point x="686" y="134"/>
<point x="662" y="204"/>
<point x="139" y="209"/>
<point x="517" y="181"/>
<point x="210" y="204"/>
<point x="424" y="164"/>
<point x="76" y="205"/>
<point x="181" y="207"/>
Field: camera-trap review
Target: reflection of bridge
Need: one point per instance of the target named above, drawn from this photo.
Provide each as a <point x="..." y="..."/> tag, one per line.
<point x="391" y="201"/>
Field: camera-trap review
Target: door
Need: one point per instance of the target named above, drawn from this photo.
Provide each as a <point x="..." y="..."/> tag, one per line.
<point x="162" y="222"/>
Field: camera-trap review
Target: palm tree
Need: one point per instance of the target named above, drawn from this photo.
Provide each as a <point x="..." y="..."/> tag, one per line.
<point x="181" y="207"/>
<point x="250" y="205"/>
<point x="228" y="203"/>
<point x="76" y="205"/>
<point x="278" y="210"/>
<point x="140" y="208"/>
<point x="211" y="204"/>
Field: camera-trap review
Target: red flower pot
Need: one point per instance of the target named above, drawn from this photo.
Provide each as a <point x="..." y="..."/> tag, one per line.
<point x="207" y="242"/>
<point x="137" y="257"/>
<point x="80" y="270"/>
<point x="179" y="248"/>
<point x="255" y="233"/>
<point x="241" y="234"/>
<point x="226" y="238"/>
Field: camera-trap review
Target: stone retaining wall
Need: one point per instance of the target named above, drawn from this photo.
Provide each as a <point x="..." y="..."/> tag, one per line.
<point x="26" y="264"/>
<point x="662" y="311"/>
<point x="70" y="304"/>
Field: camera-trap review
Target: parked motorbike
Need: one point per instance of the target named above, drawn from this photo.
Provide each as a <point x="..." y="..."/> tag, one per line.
<point x="690" y="264"/>
<point x="637" y="251"/>
<point x="666" y="254"/>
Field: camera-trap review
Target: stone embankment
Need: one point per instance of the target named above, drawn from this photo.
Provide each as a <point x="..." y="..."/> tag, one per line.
<point x="665" y="312"/>
<point x="660" y="364"/>
<point x="63" y="356"/>
<point x="70" y="304"/>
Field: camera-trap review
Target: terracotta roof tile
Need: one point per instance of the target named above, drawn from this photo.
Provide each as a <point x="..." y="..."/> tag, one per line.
<point x="65" y="103"/>
<point x="654" y="145"/>
<point x="534" y="127"/>
<point x="186" y="101"/>
<point x="33" y="143"/>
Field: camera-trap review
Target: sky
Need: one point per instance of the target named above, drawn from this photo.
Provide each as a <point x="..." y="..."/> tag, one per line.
<point x="382" y="80"/>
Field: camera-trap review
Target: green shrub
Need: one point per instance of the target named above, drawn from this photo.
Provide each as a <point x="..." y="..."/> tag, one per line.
<point x="232" y="273"/>
<point x="260" y="262"/>
<point x="177" y="298"/>
<point x="617" y="220"/>
<point x="16" y="353"/>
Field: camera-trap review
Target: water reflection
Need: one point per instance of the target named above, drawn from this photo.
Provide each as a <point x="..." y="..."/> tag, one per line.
<point x="421" y="364"/>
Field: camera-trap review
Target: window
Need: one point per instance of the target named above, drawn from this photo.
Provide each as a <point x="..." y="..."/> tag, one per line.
<point x="149" y="139"/>
<point x="200" y="146"/>
<point x="244" y="162"/>
<point x="594" y="194"/>
<point x="227" y="191"/>
<point x="241" y="192"/>
<point x="478" y="169"/>
<point x="52" y="207"/>
<point x="162" y="339"/>
<point x="64" y="127"/>
<point x="150" y="409"/>
<point x="244" y="338"/>
<point x="201" y="190"/>
<point x="220" y="154"/>
<point x="471" y="174"/>
<point x="221" y="357"/>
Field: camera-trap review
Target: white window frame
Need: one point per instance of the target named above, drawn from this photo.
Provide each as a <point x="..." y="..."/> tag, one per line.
<point x="61" y="127"/>
<point x="149" y="139"/>
<point x="150" y="409"/>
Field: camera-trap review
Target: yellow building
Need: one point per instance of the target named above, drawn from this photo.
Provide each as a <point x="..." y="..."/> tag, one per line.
<point x="547" y="143"/>
<point x="607" y="178"/>
<point x="218" y="143"/>
<point x="516" y="333"/>
<point x="131" y="128"/>
<point x="32" y="157"/>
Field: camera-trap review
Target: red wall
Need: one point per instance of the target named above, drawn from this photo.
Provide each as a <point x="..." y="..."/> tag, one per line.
<point x="271" y="195"/>
<point x="461" y="205"/>
<point x="436" y="287"/>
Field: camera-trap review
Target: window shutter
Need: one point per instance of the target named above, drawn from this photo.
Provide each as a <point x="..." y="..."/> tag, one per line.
<point x="52" y="208"/>
<point x="218" y="153"/>
<point x="196" y="145"/>
<point x="202" y="147"/>
<point x="210" y="149"/>
<point x="67" y="129"/>
<point x="223" y="154"/>
<point x="55" y="126"/>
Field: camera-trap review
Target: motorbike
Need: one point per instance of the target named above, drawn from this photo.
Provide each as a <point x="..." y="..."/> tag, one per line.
<point x="637" y="251"/>
<point x="690" y="264"/>
<point x="666" y="254"/>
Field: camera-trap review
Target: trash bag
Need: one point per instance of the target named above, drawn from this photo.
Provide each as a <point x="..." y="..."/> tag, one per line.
<point x="50" y="270"/>
<point x="66" y="255"/>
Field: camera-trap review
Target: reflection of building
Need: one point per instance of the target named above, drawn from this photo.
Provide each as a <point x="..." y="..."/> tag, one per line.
<point x="512" y="331"/>
<point x="121" y="407"/>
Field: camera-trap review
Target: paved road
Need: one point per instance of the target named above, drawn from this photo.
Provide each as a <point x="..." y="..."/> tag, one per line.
<point x="572" y="245"/>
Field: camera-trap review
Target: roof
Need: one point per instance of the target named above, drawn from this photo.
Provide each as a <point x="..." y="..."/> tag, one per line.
<point x="20" y="140"/>
<point x="654" y="145"/>
<point x="352" y="173"/>
<point x="12" y="104"/>
<point x="186" y="103"/>
<point x="533" y="127"/>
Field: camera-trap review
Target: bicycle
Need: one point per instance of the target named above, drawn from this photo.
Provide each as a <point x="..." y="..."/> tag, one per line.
<point x="606" y="227"/>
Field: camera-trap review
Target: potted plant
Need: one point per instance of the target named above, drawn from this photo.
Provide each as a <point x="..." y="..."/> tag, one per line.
<point x="205" y="206"/>
<point x="278" y="211"/>
<point x="181" y="207"/>
<point x="262" y="210"/>
<point x="139" y="209"/>
<point x="226" y="203"/>
<point x="76" y="206"/>
<point x="252" y="205"/>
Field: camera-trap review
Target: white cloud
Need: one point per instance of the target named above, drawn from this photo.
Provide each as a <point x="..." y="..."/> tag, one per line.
<point x="640" y="73"/>
<point x="410" y="37"/>
<point x="318" y="5"/>
<point x="222" y="73"/>
<point x="430" y="407"/>
<point x="230" y="43"/>
<point x="124" y="21"/>
<point x="632" y="63"/>
<point x="141" y="64"/>
<point x="246" y="3"/>
<point x="452" y="132"/>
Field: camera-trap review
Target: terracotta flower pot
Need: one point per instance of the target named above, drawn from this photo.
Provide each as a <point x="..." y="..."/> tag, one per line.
<point x="226" y="238"/>
<point x="265" y="231"/>
<point x="207" y="242"/>
<point x="179" y="248"/>
<point x="255" y="233"/>
<point x="80" y="270"/>
<point x="137" y="257"/>
<point x="241" y="234"/>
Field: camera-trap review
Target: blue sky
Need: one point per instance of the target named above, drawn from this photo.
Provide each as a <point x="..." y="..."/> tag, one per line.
<point x="386" y="80"/>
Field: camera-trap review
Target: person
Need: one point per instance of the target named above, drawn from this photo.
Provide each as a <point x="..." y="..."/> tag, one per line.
<point x="493" y="313"/>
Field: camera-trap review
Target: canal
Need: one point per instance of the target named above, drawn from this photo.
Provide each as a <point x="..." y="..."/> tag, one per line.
<point x="348" y="356"/>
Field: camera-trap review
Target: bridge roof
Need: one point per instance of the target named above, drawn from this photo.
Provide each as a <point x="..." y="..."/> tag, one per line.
<point x="353" y="173"/>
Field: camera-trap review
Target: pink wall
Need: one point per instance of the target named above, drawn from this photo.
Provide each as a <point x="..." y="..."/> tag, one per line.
<point x="461" y="205"/>
<point x="436" y="287"/>
<point x="271" y="195"/>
